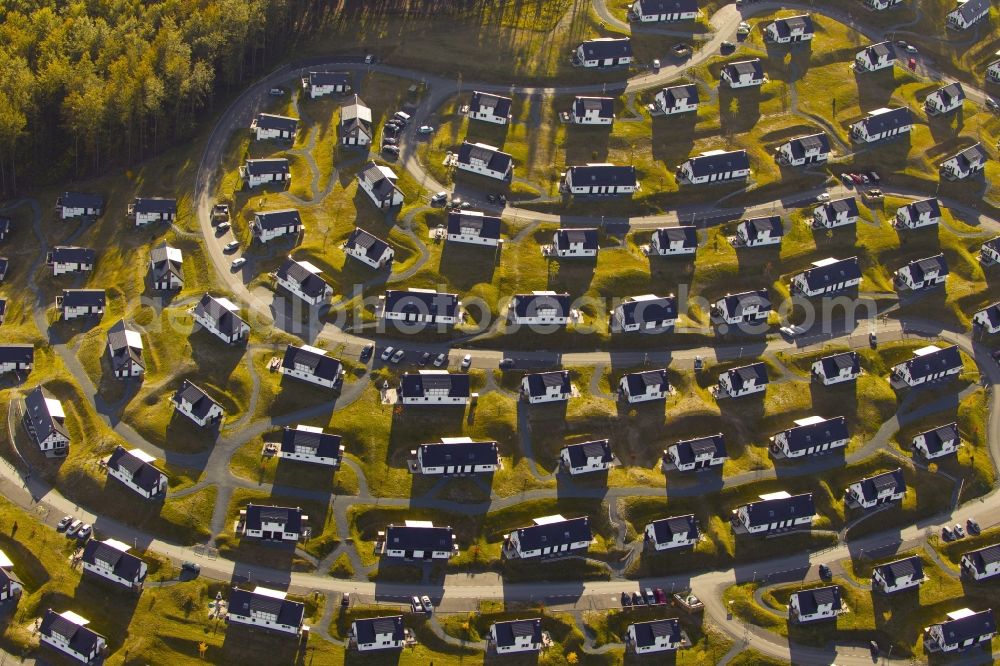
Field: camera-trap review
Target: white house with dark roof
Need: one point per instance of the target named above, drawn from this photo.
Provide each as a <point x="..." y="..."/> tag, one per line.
<point x="836" y="213"/>
<point x="11" y="586"/>
<point x="271" y="523"/>
<point x="5" y="227"/>
<point x="135" y="469"/>
<point x="3" y="309"/>
<point x="304" y="281"/>
<point x="575" y="242"/>
<point x="194" y="403"/>
<point x="965" y="164"/>
<point x="539" y="308"/>
<point x="875" y="57"/>
<point x="310" y="444"/>
<point x="599" y="179"/>
<point x="457" y="455"/>
<point x="165" y="268"/>
<point x="549" y="536"/>
<point x="988" y="319"/>
<point x="45" y="421"/>
<point x="742" y="74"/>
<point x="652" y="636"/>
<point x="320" y="84"/>
<point x="379" y="183"/>
<point x="774" y="512"/>
<point x="355" y="126"/>
<point x="124" y="349"/>
<point x="377" y="633"/>
<point x="490" y="108"/>
<point x="742" y="381"/>
<point x="3" y="268"/>
<point x="70" y="259"/>
<point x="715" y="166"/>
<point x="473" y="227"/>
<point x="81" y="303"/>
<point x="368" y="248"/>
<point x="700" y="453"/>
<point x="879" y="5"/>
<point x="873" y="491"/>
<point x="417" y="540"/>
<point x="923" y="213"/>
<point x="111" y="560"/>
<point x="644" y="386"/>
<point x="790" y="30"/>
<point x="747" y="307"/>
<point x="677" y="99"/>
<point x="256" y="173"/>
<point x="648" y="11"/>
<point x="668" y="241"/>
<point x="593" y="111"/>
<point x="882" y="124"/>
<point x="982" y="563"/>
<point x="826" y="277"/>
<point x="923" y="273"/>
<point x="17" y="358"/>
<point x="818" y="603"/>
<point x="760" y="231"/>
<point x="806" y="149"/>
<point x="586" y="457"/>
<point x="837" y="368"/>
<point x="938" y="442"/>
<point x="313" y="365"/>
<point x="945" y="99"/>
<point x="928" y="364"/>
<point x="967" y="13"/>
<point x="272" y="126"/>
<point x="810" y="436"/>
<point x="993" y="71"/>
<point x="989" y="252"/>
<point x="434" y="387"/>
<point x="898" y="575"/>
<point x="147" y="210"/>
<point x="647" y="313"/>
<point x="510" y="636"/>
<point x="271" y="224"/>
<point x="423" y="306"/>
<point x="673" y="532"/>
<point x="963" y="629"/>
<point x="221" y="318"/>
<point x="552" y="386"/>
<point x="484" y="160"/>
<point x="67" y="632"/>
<point x="79" y="204"/>
<point x="266" y="609"/>
<point x="604" y="52"/>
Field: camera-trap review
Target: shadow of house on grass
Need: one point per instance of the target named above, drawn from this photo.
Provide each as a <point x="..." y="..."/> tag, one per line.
<point x="465" y="265"/>
<point x="739" y="109"/>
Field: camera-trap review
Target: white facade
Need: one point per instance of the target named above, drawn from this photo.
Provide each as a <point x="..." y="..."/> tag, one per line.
<point x="593" y="458"/>
<point x="743" y="74"/>
<point x="982" y="563"/>
<point x="292" y="285"/>
<point x="875" y="128"/>
<point x="269" y="126"/>
<point x="265" y="231"/>
<point x="662" y="642"/>
<point x="307" y="371"/>
<point x="209" y="323"/>
<point x="827" y="610"/>
<point x="63" y="643"/>
<point x="106" y="569"/>
<point x="875" y="57"/>
<point x="598" y="58"/>
<point x="124" y="475"/>
<point x="676" y="99"/>
<point x="648" y="11"/>
<point x="652" y="392"/>
<point x="919" y="214"/>
<point x="553" y="391"/>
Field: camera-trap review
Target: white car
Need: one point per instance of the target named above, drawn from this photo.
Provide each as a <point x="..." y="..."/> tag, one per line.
<point x="276" y="92"/>
<point x="398" y="356"/>
<point x="656" y="64"/>
<point x="387" y="353"/>
<point x="825" y="196"/>
<point x="440" y="359"/>
<point x="231" y="246"/>
<point x="466" y="361"/>
<point x="417" y="606"/>
<point x="428" y="606"/>
<point x="425" y="129"/>
<point x="238" y="262"/>
<point x="792" y="331"/>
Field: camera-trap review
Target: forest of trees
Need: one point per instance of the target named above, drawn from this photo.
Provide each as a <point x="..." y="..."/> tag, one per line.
<point x="85" y="84"/>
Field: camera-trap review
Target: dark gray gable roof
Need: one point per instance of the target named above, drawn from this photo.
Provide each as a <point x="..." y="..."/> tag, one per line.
<point x="538" y="382"/>
<point x="605" y="106"/>
<point x="415" y="385"/>
<point x="80" y="200"/>
<point x="738" y="303"/>
<point x="373" y="246"/>
<point x="668" y="6"/>
<point x="732" y="160"/>
<point x="907" y="567"/>
<point x="756" y="226"/>
<point x="274" y="219"/>
<point x="664" y="529"/>
<point x="937" y="361"/>
<point x="200" y="401"/>
<point x="42" y="421"/>
<point x="686" y="233"/>
<point x="276" y="122"/>
<point x="921" y="267"/>
<point x="310" y="283"/>
<point x="888" y="120"/>
<point x="974" y="154"/>
<point x="811" y="600"/>
<point x="580" y="453"/>
<point x="873" y="485"/>
<point x="833" y="364"/>
<point x="815" y="434"/>
<point x="290" y="517"/>
<point x="935" y="438"/>
<point x="245" y="602"/>
<point x="639" y="382"/>
<point x="847" y="205"/>
<point x="802" y="22"/>
<point x="419" y="537"/>
<point x="323" y="444"/>
<point x="970" y="627"/>
<point x="501" y="105"/>
<point x="675" y="94"/>
<point x="329" y="78"/>
<point x="320" y="365"/>
<point x="356" y="117"/>
<point x="646" y="633"/>
<point x="875" y="52"/>
<point x="435" y="303"/>
<point x="951" y="92"/>
<point x="972" y="9"/>
<point x="801" y="144"/>
<point x="993" y="244"/>
<point x="843" y="270"/>
<point x="366" y="629"/>
<point x="277" y="165"/>
<point x="600" y="49"/>
<point x="608" y="175"/>
<point x="17" y="353"/>
<point x="752" y="67"/>
<point x="528" y="305"/>
<point x="443" y="454"/>
<point x="756" y="372"/>
<point x="80" y="638"/>
<point x="155" y="205"/>
<point x="571" y="530"/>
<point x="643" y="310"/>
<point x="143" y="474"/>
<point x="487" y="226"/>
<point x="226" y="321"/>
<point x="75" y="298"/>
<point x="992" y="314"/>
<point x="381" y="184"/>
<point x="765" y="511"/>
<point x="586" y="237"/>
<point x="71" y="254"/>
<point x="123" y="564"/>
<point x="509" y="630"/>
<point x="496" y="160"/>
<point x="688" y="449"/>
<point x="984" y="556"/>
<point x="161" y="265"/>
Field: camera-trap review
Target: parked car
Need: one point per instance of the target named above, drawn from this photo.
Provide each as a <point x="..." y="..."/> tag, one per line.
<point x="823" y="196"/>
<point x="439" y="199"/>
<point x="856" y="177"/>
<point x="873" y="648"/>
<point x="276" y="92"/>
<point x="946" y="533"/>
<point x="875" y="177"/>
<point x="650" y="597"/>
<point x="959" y="532"/>
<point x="912" y="63"/>
<point x="440" y="359"/>
<point x="391" y="150"/>
<point x="901" y="44"/>
<point x="425" y="129"/>
<point x="345" y="599"/>
<point x="428" y="606"/>
<point x="864" y="178"/>
<point x="846" y="177"/>
<point x="637" y="599"/>
<point x="425" y="358"/>
<point x="910" y="48"/>
<point x="390" y="130"/>
<point x="418" y="607"/>
<point x="388" y="141"/>
<point x="401" y="116"/>
<point x="506" y="363"/>
<point x="992" y="104"/>
<point x="387" y="353"/>
<point x="84" y="532"/>
<point x="661" y="596"/>
<point x="223" y="227"/>
<point x="727" y="47"/>
<point x="626" y="599"/>
<point x="191" y="567"/>
<point x="824" y="572"/>
<point x="231" y="246"/>
<point x="791" y="331"/>
<point x="74" y="527"/>
<point x="63" y="523"/>
<point x="972" y="526"/>
<point x="238" y="262"/>
<point x="656" y="64"/>
<point x="370" y="59"/>
<point x="466" y="361"/>
<point x="366" y="353"/>
<point x="398" y="356"/>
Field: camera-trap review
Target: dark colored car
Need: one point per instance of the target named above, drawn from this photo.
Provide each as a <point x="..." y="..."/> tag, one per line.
<point x="366" y="353"/>
<point x="626" y="599"/>
<point x="637" y="599"/>
<point x="425" y="358"/>
<point x="824" y="572"/>
<point x="972" y="526"/>
<point x="191" y="567"/>
<point x="506" y="363"/>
